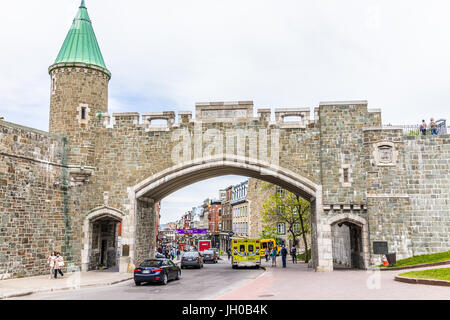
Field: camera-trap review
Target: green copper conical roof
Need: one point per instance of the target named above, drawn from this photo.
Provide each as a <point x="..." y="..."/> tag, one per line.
<point x="81" y="46"/>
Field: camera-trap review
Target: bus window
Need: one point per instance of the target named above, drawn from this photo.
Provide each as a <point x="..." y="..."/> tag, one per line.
<point x="250" y="248"/>
<point x="242" y="248"/>
<point x="264" y="245"/>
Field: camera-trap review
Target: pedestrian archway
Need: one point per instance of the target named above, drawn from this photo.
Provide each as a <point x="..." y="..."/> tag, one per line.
<point x="101" y="238"/>
<point x="349" y="241"/>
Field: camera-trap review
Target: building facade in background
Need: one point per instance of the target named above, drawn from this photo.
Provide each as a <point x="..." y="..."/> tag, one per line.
<point x="240" y="210"/>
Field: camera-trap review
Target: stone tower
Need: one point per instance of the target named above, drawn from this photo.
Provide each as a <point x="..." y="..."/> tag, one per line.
<point x="79" y="90"/>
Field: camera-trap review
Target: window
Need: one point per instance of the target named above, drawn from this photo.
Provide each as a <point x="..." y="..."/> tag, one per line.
<point x="296" y="227"/>
<point x="250" y="248"/>
<point x="280" y="192"/>
<point x="281" y="228"/>
<point x="280" y="209"/>
<point x="83" y="113"/>
<point x="242" y="248"/>
<point x="346" y="175"/>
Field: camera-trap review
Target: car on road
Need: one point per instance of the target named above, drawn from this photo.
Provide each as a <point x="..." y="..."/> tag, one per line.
<point x="209" y="256"/>
<point x="156" y="270"/>
<point x="192" y="259"/>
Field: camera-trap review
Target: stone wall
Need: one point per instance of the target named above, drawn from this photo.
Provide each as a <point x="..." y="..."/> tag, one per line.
<point x="33" y="206"/>
<point x="408" y="197"/>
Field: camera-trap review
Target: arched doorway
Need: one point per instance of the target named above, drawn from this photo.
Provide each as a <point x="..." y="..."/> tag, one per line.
<point x="101" y="238"/>
<point x="140" y="226"/>
<point x="349" y="235"/>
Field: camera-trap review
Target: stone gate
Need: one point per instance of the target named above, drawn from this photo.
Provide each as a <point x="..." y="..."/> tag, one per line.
<point x="67" y="189"/>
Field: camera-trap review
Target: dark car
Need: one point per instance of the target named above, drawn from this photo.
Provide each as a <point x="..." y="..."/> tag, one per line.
<point x="156" y="270"/>
<point x="209" y="256"/>
<point x="191" y="259"/>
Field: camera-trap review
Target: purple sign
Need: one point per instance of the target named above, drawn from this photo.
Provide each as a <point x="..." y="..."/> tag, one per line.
<point x="192" y="231"/>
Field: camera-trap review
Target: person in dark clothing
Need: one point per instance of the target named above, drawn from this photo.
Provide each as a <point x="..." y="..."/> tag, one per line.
<point x="284" y="253"/>
<point x="294" y="254"/>
<point x="229" y="253"/>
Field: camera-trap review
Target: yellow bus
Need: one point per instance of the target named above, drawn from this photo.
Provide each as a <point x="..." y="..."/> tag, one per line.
<point x="269" y="244"/>
<point x="245" y="253"/>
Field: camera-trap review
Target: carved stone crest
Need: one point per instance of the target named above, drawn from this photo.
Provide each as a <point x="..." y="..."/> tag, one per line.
<point x="385" y="154"/>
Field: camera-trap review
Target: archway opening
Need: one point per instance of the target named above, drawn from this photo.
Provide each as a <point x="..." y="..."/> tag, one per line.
<point x="347" y="243"/>
<point x="105" y="233"/>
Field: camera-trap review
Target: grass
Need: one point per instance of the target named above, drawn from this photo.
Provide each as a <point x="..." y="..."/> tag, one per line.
<point x="302" y="255"/>
<point x="435" y="274"/>
<point x="422" y="259"/>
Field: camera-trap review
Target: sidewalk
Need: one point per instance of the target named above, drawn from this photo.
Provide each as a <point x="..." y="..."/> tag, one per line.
<point x="298" y="282"/>
<point x="71" y="281"/>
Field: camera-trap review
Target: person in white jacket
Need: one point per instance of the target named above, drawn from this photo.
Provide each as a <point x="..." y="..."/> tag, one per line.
<point x="51" y="262"/>
<point x="59" y="263"/>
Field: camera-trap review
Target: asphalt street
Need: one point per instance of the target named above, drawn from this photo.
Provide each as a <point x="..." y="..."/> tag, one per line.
<point x="196" y="284"/>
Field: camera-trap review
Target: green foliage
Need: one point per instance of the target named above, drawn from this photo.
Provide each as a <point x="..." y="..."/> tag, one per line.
<point x="434" y="274"/>
<point x="288" y="209"/>
<point x="422" y="259"/>
<point x="301" y="256"/>
<point x="413" y="133"/>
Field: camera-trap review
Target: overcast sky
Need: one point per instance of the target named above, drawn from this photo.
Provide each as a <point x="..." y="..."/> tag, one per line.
<point x="167" y="55"/>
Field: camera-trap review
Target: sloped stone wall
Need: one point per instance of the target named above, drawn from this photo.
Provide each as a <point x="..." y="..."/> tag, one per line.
<point x="32" y="207"/>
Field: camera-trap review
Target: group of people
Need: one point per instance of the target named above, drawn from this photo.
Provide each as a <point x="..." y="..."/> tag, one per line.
<point x="432" y="127"/>
<point x="283" y="252"/>
<point x="170" y="253"/>
<point x="55" y="262"/>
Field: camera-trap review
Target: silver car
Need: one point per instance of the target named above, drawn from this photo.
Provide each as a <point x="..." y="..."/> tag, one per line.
<point x="191" y="259"/>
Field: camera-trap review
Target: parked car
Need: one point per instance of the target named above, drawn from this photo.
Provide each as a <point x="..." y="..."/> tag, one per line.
<point x="210" y="256"/>
<point x="156" y="270"/>
<point x="191" y="259"/>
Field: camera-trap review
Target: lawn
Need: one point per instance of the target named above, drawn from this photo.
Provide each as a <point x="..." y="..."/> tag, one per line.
<point x="426" y="258"/>
<point x="435" y="274"/>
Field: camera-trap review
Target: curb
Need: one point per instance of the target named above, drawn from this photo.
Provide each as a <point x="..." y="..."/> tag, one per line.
<point x="434" y="264"/>
<point x="430" y="282"/>
<point x="44" y="290"/>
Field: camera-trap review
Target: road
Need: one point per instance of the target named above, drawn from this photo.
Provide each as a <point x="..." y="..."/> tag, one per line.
<point x="196" y="284"/>
<point x="296" y="282"/>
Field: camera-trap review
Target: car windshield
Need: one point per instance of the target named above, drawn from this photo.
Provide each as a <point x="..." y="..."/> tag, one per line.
<point x="208" y="252"/>
<point x="151" y="263"/>
<point x="191" y="254"/>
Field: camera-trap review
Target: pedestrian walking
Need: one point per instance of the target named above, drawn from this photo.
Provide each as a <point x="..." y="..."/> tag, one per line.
<point x="423" y="128"/>
<point x="294" y="254"/>
<point x="51" y="262"/>
<point x="274" y="256"/>
<point x="178" y="254"/>
<point x="229" y="253"/>
<point x="266" y="254"/>
<point x="59" y="263"/>
<point x="284" y="253"/>
<point x="433" y="127"/>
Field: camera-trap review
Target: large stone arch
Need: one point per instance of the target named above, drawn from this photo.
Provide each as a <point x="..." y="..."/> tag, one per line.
<point x="139" y="229"/>
<point x="92" y="216"/>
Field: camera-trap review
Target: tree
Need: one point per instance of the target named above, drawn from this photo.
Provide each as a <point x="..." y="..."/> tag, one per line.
<point x="290" y="209"/>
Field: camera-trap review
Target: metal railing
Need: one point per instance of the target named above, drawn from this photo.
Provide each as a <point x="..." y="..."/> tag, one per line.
<point x="414" y="129"/>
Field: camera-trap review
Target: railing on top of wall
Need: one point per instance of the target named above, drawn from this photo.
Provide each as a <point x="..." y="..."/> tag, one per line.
<point x="414" y="129"/>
